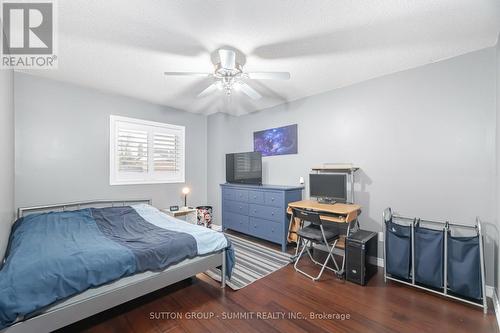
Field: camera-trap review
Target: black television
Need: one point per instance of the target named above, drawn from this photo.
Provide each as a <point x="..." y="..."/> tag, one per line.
<point x="244" y="168"/>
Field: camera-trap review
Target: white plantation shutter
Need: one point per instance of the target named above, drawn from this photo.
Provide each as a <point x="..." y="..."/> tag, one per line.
<point x="145" y="152"/>
<point x="132" y="148"/>
<point x="167" y="152"/>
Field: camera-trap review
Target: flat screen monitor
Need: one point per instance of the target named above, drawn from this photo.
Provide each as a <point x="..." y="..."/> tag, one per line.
<point x="244" y="168"/>
<point x="329" y="187"/>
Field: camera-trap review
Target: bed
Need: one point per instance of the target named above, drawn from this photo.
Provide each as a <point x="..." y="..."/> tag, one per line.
<point x="122" y="278"/>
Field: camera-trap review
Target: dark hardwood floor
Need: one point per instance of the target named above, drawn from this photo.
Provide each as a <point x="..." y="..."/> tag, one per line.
<point x="377" y="307"/>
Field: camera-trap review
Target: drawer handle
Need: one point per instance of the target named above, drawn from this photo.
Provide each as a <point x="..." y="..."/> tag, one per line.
<point x="272" y="199"/>
<point x="272" y="213"/>
<point x="255" y="211"/>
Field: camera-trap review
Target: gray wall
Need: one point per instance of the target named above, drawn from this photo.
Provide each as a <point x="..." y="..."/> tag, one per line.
<point x="62" y="145"/>
<point x="497" y="250"/>
<point x="424" y="139"/>
<point x="7" y="160"/>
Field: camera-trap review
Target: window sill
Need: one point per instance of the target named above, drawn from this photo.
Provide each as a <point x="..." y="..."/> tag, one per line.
<point x="146" y="182"/>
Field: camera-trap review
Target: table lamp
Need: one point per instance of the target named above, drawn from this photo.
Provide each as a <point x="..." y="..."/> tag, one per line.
<point x="185" y="191"/>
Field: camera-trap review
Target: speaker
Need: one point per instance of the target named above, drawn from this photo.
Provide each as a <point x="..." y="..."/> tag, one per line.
<point x="360" y="246"/>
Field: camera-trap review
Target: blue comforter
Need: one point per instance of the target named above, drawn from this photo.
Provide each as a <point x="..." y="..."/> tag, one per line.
<point x="53" y="256"/>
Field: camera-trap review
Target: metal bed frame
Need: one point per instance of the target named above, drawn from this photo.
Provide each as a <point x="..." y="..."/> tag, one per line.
<point x="22" y="211"/>
<point x="446" y="226"/>
<point x="96" y="300"/>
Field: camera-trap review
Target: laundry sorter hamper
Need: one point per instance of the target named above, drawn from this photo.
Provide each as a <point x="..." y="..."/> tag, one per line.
<point x="434" y="258"/>
<point x="429" y="256"/>
<point x="398" y="238"/>
<point x="464" y="275"/>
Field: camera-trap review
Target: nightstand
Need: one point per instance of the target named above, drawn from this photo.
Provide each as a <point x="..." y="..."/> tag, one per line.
<point x="184" y="213"/>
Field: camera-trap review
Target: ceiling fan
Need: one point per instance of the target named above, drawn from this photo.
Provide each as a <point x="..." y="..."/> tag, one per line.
<point x="229" y="76"/>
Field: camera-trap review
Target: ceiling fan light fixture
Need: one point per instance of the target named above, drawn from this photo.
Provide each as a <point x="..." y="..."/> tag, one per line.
<point x="222" y="72"/>
<point x="237" y="86"/>
<point x="228" y="76"/>
<point x="219" y="85"/>
<point x="227" y="59"/>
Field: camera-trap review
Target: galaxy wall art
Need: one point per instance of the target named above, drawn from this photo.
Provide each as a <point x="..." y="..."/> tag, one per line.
<point x="276" y="141"/>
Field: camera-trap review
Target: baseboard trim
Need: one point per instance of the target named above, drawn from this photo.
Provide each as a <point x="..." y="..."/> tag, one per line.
<point x="496" y="303"/>
<point x="490" y="291"/>
<point x="376" y="261"/>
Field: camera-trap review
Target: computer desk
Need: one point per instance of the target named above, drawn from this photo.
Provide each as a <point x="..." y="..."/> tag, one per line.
<point x="336" y="213"/>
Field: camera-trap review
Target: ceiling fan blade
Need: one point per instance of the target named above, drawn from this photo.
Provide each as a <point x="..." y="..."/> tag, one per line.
<point x="187" y="74"/>
<point x="227" y="58"/>
<point x="269" y="76"/>
<point x="249" y="91"/>
<point x="208" y="90"/>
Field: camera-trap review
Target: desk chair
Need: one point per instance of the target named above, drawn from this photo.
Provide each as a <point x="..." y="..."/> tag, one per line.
<point x="315" y="233"/>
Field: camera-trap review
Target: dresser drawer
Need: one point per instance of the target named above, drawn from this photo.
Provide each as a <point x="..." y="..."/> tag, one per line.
<point x="236" y="207"/>
<point x="275" y="199"/>
<point x="235" y="222"/>
<point x="265" y="229"/>
<point x="266" y="212"/>
<point x="236" y="195"/>
<point x="256" y="197"/>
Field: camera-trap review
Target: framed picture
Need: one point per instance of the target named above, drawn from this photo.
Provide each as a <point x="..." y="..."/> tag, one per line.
<point x="276" y="141"/>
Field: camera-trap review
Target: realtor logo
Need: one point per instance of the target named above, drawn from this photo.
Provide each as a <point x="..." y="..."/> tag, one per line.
<point x="28" y="35"/>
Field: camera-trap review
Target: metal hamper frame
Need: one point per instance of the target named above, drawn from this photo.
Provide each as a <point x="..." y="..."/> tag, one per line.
<point x="446" y="226"/>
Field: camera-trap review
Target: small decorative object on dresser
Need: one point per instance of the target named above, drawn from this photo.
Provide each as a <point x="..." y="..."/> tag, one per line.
<point x="184" y="213"/>
<point x="259" y="210"/>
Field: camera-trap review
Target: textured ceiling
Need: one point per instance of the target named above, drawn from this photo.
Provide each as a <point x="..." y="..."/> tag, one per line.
<point x="124" y="47"/>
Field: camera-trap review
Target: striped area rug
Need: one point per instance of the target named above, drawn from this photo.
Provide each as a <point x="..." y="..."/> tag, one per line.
<point x="253" y="262"/>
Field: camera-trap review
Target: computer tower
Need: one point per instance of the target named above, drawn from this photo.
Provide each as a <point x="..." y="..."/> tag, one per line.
<point x="360" y="246"/>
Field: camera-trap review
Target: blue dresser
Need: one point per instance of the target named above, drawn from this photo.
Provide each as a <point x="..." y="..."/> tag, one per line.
<point x="259" y="211"/>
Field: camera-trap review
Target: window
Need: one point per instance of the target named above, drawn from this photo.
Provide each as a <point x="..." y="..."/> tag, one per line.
<point x="145" y="152"/>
